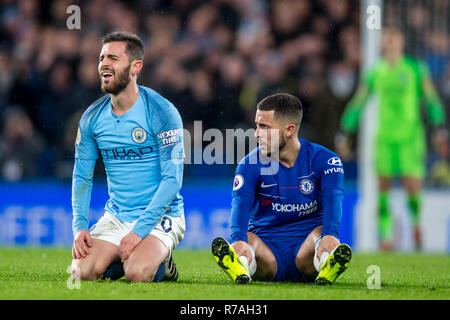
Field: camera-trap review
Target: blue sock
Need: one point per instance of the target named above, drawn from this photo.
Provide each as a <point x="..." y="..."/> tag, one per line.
<point x="114" y="271"/>
<point x="159" y="275"/>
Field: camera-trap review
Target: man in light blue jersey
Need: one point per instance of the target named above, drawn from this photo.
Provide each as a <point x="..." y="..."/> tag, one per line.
<point x="286" y="205"/>
<point x="139" y="135"/>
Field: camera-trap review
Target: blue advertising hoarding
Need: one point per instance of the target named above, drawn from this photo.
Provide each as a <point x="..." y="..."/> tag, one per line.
<point x="39" y="213"/>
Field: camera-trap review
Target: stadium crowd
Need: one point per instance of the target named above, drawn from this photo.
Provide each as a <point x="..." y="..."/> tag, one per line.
<point x="213" y="59"/>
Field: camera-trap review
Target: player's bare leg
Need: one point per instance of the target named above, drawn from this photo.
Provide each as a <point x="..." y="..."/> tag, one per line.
<point x="100" y="256"/>
<point x="255" y="259"/>
<point x="305" y="256"/>
<point x="145" y="259"/>
<point x="413" y="187"/>
<point x="385" y="218"/>
<point x="324" y="270"/>
<point x="266" y="264"/>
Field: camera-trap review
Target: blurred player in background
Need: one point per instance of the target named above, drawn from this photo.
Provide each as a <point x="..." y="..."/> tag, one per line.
<point x="139" y="136"/>
<point x="285" y="218"/>
<point x="400" y="83"/>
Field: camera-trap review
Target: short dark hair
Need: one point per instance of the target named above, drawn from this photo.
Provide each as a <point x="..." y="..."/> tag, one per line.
<point x="135" y="46"/>
<point x="393" y="29"/>
<point x="286" y="107"/>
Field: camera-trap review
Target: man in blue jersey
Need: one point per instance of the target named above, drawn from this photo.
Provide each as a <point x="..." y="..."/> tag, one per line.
<point x="286" y="205"/>
<point x="139" y="135"/>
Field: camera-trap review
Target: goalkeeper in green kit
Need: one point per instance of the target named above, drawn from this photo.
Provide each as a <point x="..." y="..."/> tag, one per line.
<point x="400" y="84"/>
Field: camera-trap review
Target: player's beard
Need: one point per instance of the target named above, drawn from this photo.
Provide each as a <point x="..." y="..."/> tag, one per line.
<point x="121" y="81"/>
<point x="281" y="145"/>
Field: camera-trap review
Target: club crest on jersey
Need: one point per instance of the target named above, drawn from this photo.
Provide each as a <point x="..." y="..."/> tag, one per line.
<point x="139" y="135"/>
<point x="238" y="182"/>
<point x="306" y="186"/>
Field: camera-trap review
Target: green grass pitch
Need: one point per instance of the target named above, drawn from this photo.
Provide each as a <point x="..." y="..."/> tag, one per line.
<point x="40" y="273"/>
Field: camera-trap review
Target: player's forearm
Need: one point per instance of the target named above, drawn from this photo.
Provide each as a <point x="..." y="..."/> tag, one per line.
<point x="240" y="214"/>
<point x="332" y="212"/>
<point x="332" y="190"/>
<point x="351" y="115"/>
<point x="81" y="193"/>
<point x="170" y="185"/>
<point x="435" y="110"/>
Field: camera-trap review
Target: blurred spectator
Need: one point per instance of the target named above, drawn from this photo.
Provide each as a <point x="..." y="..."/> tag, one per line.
<point x="417" y="20"/>
<point x="438" y="54"/>
<point x="228" y="89"/>
<point x="349" y="46"/>
<point x="327" y="100"/>
<point x="57" y="102"/>
<point x="87" y="89"/>
<point x="272" y="71"/>
<point x="203" y="99"/>
<point x="439" y="160"/>
<point x="64" y="166"/>
<point x="6" y="77"/>
<point x="20" y="146"/>
<point x="214" y="59"/>
<point x="290" y="19"/>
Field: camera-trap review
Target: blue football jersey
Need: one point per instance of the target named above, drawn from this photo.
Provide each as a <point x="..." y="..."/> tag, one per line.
<point x="143" y="153"/>
<point x="277" y="201"/>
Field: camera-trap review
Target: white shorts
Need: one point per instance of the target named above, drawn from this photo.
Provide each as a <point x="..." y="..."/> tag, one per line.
<point x="170" y="230"/>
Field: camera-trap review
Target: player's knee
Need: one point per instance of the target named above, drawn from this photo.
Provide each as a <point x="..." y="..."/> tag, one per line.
<point x="84" y="271"/>
<point x="306" y="265"/>
<point x="266" y="267"/>
<point x="139" y="273"/>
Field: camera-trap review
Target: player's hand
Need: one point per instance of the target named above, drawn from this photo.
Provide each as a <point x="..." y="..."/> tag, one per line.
<point x="327" y="244"/>
<point x="81" y="244"/>
<point x="242" y="249"/>
<point x="127" y="245"/>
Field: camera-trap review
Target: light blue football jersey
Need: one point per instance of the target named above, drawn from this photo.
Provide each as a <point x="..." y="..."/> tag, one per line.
<point x="143" y="154"/>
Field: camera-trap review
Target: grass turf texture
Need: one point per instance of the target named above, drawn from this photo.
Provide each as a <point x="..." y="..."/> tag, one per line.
<point x="37" y="273"/>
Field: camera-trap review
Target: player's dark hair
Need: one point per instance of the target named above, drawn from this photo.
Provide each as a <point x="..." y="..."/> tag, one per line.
<point x="393" y="29"/>
<point x="286" y="107"/>
<point x="135" y="46"/>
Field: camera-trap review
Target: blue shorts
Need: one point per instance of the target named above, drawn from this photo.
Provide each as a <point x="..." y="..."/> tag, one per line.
<point x="285" y="252"/>
<point x="285" y="248"/>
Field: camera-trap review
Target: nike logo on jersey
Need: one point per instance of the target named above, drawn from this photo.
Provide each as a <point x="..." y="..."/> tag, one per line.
<point x="267" y="185"/>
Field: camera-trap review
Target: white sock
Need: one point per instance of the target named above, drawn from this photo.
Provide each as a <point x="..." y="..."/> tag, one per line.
<point x="318" y="262"/>
<point x="252" y="267"/>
